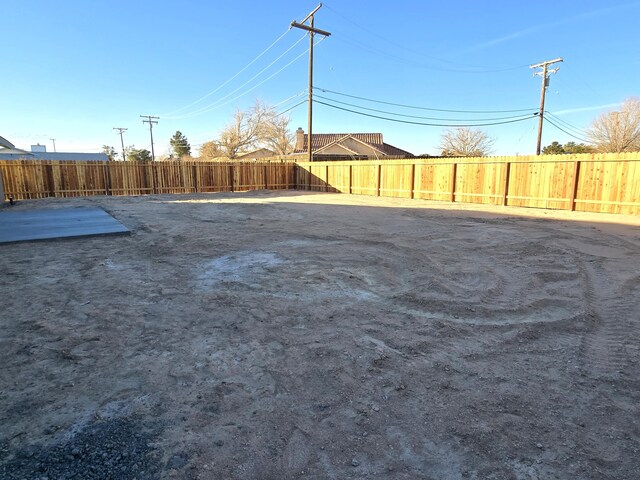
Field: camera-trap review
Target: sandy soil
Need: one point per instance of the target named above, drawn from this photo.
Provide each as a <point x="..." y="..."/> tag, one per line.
<point x="298" y="335"/>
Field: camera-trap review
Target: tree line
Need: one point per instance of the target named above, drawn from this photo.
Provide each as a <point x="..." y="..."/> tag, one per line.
<point x="262" y="127"/>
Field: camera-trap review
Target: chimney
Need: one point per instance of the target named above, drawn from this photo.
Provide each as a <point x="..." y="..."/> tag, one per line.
<point x="38" y="148"/>
<point x="299" y="140"/>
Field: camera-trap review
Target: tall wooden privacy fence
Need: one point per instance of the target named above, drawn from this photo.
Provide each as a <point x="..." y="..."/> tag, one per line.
<point x="608" y="183"/>
<point x="38" y="179"/>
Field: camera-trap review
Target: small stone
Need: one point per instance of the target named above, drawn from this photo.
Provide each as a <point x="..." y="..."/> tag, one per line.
<point x="355" y="463"/>
<point x="219" y="442"/>
<point x="539" y="445"/>
<point x="176" y="462"/>
<point x="376" y="408"/>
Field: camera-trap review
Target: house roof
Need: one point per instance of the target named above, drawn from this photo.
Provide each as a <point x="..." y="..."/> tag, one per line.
<point x="6" y="143"/>
<point x="324" y="140"/>
<point x="260" y="153"/>
<point x="15" y="154"/>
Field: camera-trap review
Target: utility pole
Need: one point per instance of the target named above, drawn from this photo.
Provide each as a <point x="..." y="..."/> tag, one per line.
<point x="312" y="30"/>
<point x="545" y="83"/>
<point x="54" y="144"/>
<point x="121" y="130"/>
<point x="151" y="121"/>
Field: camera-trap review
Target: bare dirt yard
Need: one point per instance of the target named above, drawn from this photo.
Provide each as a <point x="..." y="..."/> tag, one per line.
<point x="277" y="335"/>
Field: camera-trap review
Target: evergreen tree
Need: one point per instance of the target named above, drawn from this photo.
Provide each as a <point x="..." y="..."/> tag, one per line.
<point x="180" y="145"/>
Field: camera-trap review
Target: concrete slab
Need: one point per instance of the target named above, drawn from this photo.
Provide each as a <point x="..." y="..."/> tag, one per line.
<point x="20" y="226"/>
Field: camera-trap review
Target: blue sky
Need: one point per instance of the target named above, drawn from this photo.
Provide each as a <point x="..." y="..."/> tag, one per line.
<point x="73" y="70"/>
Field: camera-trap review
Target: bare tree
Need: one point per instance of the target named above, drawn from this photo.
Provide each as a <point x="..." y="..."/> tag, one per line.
<point x="617" y="131"/>
<point x="210" y="150"/>
<point x="246" y="130"/>
<point x="276" y="135"/>
<point x="465" y="142"/>
<point x="261" y="126"/>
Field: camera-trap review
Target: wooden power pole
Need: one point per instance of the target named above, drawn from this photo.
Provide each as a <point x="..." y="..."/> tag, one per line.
<point x="544" y="73"/>
<point x="312" y="30"/>
<point x="121" y="130"/>
<point x="151" y="121"/>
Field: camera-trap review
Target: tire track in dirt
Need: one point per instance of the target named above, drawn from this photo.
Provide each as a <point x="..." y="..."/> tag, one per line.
<point x="611" y="311"/>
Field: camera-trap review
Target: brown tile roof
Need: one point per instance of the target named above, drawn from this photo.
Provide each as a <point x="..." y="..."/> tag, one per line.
<point x="321" y="140"/>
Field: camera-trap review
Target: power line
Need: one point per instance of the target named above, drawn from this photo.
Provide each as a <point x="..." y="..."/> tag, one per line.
<point x="233" y="77"/>
<point x="423" y="108"/>
<point x="584" y="140"/>
<point x="291" y="108"/>
<point x="418" y="116"/>
<point x="217" y="104"/>
<point x="527" y="117"/>
<point x="566" y="124"/>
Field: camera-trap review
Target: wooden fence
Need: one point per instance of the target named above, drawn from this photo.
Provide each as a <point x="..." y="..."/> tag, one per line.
<point x="608" y="183"/>
<point x="26" y="179"/>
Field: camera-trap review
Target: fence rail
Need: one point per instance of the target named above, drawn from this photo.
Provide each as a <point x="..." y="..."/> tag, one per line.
<point x="607" y="183"/>
<point x="27" y="179"/>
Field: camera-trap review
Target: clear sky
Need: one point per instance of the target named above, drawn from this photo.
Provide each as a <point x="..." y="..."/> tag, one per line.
<point x="72" y="70"/>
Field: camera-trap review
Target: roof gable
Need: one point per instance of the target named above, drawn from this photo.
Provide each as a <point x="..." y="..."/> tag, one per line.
<point x="327" y="143"/>
<point x="354" y="145"/>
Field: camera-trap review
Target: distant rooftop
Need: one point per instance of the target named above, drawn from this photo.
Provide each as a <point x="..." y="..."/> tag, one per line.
<point x="8" y="151"/>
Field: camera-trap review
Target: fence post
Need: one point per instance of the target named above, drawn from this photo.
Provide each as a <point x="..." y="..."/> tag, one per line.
<point x="266" y="183"/>
<point x="379" y="179"/>
<point x="350" y="179"/>
<point x="574" y="189"/>
<point x="196" y="179"/>
<point x="507" y="174"/>
<point x="231" y="176"/>
<point x="412" y="180"/>
<point x="326" y="178"/>
<point x="309" y="179"/>
<point x="107" y="179"/>
<point x="52" y="181"/>
<point x="454" y="170"/>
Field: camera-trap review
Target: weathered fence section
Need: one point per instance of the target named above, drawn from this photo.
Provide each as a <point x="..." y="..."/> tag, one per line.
<point x="26" y="179"/>
<point x="607" y="183"/>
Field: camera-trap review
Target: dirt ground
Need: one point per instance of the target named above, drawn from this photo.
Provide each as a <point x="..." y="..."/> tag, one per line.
<point x="276" y="335"/>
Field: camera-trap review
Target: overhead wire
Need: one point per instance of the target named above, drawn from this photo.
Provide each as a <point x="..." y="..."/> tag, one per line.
<point x="584" y="140"/>
<point x="566" y="124"/>
<point x="217" y="103"/>
<point x="231" y="78"/>
<point x="422" y="108"/>
<point x="527" y="117"/>
<point x="418" y="116"/>
<point x="293" y="107"/>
